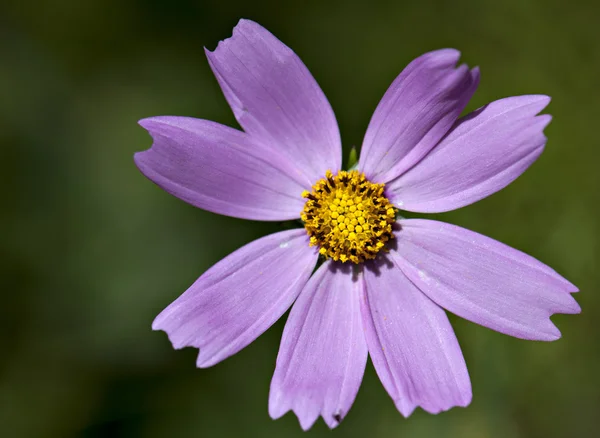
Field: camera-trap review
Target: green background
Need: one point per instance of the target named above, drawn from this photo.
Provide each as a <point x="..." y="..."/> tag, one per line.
<point x="91" y="251"/>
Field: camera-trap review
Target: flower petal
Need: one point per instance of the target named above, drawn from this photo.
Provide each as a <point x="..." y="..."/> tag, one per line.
<point x="414" y="114"/>
<point x="323" y="353"/>
<point x="412" y="344"/>
<point x="220" y="169"/>
<point x="483" y="153"/>
<point x="275" y="98"/>
<point x="240" y="297"/>
<point x="483" y="280"/>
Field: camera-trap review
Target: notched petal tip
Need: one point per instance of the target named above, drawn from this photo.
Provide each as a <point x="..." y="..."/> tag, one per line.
<point x="448" y="59"/>
<point x="171" y="338"/>
<point x="243" y="27"/>
<point x="209" y="52"/>
<point x="161" y="324"/>
<point x="569" y="307"/>
<point x="242" y="22"/>
<point x="307" y="421"/>
<point x="407" y="407"/>
<point x="163" y="126"/>
<point x="278" y="407"/>
<point x="202" y="361"/>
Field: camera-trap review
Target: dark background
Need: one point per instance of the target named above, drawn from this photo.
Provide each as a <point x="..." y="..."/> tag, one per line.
<point x="91" y="251"/>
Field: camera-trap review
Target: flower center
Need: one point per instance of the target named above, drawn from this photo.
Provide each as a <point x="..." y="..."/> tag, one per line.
<point x="348" y="217"/>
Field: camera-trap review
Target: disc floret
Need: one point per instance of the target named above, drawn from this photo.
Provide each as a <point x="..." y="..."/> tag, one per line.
<point x="348" y="217"/>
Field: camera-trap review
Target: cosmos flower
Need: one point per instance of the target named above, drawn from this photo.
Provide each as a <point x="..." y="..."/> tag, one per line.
<point x="381" y="284"/>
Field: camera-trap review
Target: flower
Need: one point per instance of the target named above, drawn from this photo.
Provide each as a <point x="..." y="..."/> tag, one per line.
<point x="383" y="283"/>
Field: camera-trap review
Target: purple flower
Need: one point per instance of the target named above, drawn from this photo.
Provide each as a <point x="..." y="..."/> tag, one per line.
<point x="384" y="283"/>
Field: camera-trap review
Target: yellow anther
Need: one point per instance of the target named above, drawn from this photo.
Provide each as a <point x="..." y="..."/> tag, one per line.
<point x="348" y="217"/>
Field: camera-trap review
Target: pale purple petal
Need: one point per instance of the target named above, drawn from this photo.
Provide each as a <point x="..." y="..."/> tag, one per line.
<point x="416" y="111"/>
<point x="323" y="353"/>
<point x="276" y="100"/>
<point x="411" y="343"/>
<point x="483" y="153"/>
<point x="483" y="280"/>
<point x="240" y="297"/>
<point x="221" y="169"/>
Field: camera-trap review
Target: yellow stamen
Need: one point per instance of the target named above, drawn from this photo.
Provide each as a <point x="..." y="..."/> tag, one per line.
<point x="335" y="208"/>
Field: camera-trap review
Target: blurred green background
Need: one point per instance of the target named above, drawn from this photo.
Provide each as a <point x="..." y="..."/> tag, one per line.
<point x="92" y="251"/>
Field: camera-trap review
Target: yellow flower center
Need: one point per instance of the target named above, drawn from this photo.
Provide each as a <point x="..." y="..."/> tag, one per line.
<point x="348" y="217"/>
